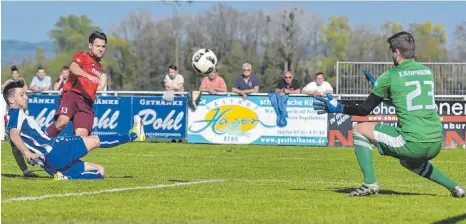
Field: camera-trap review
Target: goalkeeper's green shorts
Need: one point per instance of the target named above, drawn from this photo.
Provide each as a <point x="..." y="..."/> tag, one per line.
<point x="391" y="143"/>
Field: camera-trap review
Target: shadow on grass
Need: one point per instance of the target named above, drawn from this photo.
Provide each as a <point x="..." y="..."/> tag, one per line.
<point x="178" y="181"/>
<point x="123" y="177"/>
<point x="453" y="219"/>
<point x="10" y="175"/>
<point x="384" y="192"/>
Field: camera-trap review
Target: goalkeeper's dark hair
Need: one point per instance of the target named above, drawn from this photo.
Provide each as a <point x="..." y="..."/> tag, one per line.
<point x="404" y="42"/>
<point x="10" y="87"/>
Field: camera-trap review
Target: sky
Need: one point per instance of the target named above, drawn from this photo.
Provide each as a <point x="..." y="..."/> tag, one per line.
<point x="30" y="21"/>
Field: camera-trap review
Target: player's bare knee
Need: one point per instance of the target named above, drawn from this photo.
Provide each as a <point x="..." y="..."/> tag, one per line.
<point x="359" y="128"/>
<point x="365" y="129"/>
<point x="100" y="169"/>
<point x="356" y="128"/>
<point x="81" y="132"/>
<point x="91" y="142"/>
<point x="93" y="166"/>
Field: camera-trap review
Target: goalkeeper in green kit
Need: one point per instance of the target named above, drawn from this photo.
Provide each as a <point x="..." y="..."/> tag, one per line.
<point x="417" y="139"/>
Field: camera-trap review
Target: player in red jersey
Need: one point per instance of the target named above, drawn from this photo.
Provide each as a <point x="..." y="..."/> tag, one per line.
<point x="79" y="91"/>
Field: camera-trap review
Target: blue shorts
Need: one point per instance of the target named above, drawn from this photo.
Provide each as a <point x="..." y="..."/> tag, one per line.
<point x="66" y="152"/>
<point x="74" y="169"/>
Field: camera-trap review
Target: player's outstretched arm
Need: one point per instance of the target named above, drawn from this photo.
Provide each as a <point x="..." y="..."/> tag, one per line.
<point x="77" y="70"/>
<point x="365" y="107"/>
<point x="16" y="139"/>
<point x="329" y="104"/>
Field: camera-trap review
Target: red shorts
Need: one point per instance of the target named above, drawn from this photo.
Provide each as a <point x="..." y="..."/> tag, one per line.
<point x="78" y="109"/>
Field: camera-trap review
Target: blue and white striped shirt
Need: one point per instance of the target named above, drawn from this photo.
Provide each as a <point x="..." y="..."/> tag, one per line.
<point x="33" y="137"/>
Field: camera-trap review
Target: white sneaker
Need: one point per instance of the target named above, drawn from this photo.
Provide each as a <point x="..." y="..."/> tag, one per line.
<point x="365" y="190"/>
<point x="458" y="192"/>
<point x="59" y="176"/>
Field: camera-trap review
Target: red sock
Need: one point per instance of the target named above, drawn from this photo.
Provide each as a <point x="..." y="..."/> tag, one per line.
<point x="52" y="131"/>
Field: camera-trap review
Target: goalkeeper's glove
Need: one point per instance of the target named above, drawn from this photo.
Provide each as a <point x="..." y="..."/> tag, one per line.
<point x="327" y="104"/>
<point x="369" y="77"/>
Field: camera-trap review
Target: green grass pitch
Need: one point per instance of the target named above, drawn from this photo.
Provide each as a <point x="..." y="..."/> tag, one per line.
<point x="184" y="183"/>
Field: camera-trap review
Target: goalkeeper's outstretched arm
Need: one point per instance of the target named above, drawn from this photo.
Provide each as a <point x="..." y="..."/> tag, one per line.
<point x="364" y="108"/>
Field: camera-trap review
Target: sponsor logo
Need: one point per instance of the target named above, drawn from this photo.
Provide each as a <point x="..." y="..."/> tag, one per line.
<point x="230" y="120"/>
<point x="108" y="120"/>
<point x="147" y="102"/>
<point x="170" y="122"/>
<point x="39" y="100"/>
<point x="107" y="101"/>
<point x="45" y="118"/>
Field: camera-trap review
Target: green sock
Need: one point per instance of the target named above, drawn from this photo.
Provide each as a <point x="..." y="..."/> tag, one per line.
<point x="430" y="172"/>
<point x="363" y="151"/>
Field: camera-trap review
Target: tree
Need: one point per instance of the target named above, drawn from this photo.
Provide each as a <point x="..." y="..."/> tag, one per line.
<point x="336" y="37"/>
<point x="362" y="46"/>
<point x="431" y="41"/>
<point x="288" y="34"/>
<point x="71" y="33"/>
<point x="460" y="36"/>
<point x="140" y="48"/>
<point x="39" y="56"/>
<point x="389" y="28"/>
<point x="118" y="63"/>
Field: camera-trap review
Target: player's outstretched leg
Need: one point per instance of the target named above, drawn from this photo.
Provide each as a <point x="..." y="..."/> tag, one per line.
<point x="363" y="151"/>
<point x="84" y="170"/>
<point x="107" y="141"/>
<point x="429" y="171"/>
<point x="68" y="151"/>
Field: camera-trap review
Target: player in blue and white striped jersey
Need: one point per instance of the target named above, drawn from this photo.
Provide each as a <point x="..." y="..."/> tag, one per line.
<point x="60" y="157"/>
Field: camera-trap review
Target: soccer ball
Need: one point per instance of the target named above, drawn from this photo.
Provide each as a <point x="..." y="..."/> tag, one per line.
<point x="204" y="61"/>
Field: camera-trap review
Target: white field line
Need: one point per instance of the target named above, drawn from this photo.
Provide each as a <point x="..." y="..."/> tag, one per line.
<point x="353" y="184"/>
<point x="32" y="198"/>
<point x="275" y="158"/>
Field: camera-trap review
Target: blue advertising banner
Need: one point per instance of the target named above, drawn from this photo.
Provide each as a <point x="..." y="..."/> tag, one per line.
<point x="113" y="115"/>
<point x="222" y="119"/>
<point x="162" y="119"/>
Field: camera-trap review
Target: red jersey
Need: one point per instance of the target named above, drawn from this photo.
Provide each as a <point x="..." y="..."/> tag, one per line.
<point x="81" y="84"/>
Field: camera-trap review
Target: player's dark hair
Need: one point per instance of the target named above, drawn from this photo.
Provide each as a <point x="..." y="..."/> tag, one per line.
<point x="14" y="68"/>
<point x="173" y="67"/>
<point x="319" y="73"/>
<point x="65" y="68"/>
<point x="40" y="68"/>
<point x="97" y="35"/>
<point x="10" y="87"/>
<point x="404" y="42"/>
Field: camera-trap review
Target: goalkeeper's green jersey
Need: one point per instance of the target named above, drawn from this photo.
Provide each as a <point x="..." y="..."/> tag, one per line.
<point x="410" y="88"/>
